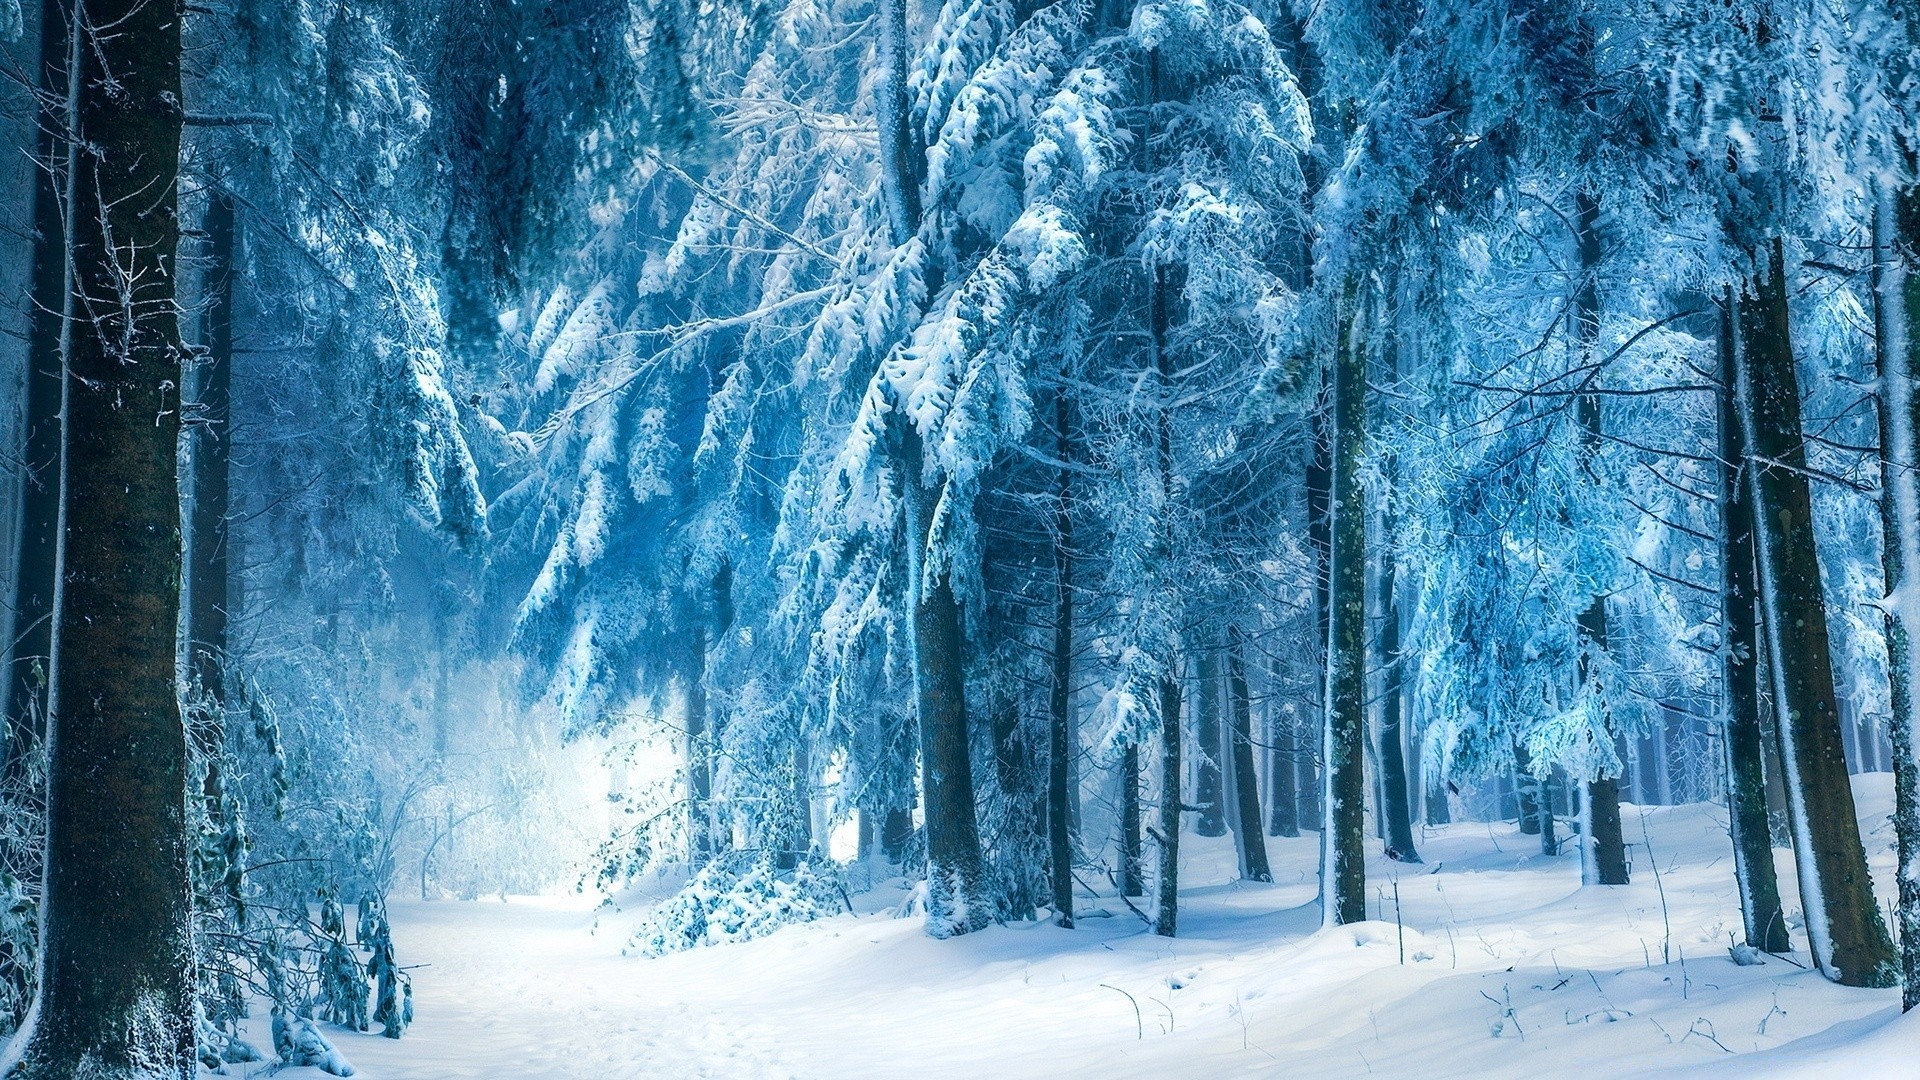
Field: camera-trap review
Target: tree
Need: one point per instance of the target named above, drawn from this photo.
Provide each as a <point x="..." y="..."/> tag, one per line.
<point x="1343" y="880"/>
<point x="1764" y="921"/>
<point x="115" y="991"/>
<point x="1846" y="935"/>
<point x="1209" y="793"/>
<point x="1247" y="832"/>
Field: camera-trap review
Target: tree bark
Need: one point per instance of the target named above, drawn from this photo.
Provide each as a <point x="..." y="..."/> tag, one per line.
<point x="1395" y="796"/>
<point x="1896" y="293"/>
<point x="115" y="996"/>
<point x="1343" y="871"/>
<point x="1166" y="917"/>
<point x="1848" y="938"/>
<point x="1764" y="922"/>
<point x="1603" y="848"/>
<point x="1130" y="853"/>
<point x="1209" y="790"/>
<point x="1060" y="693"/>
<point x="1283" y="793"/>
<point x="24" y="688"/>
<point x="956" y="870"/>
<point x="1252" y="841"/>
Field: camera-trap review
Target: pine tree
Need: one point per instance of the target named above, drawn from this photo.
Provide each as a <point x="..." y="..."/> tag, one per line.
<point x="1764" y="921"/>
<point x="1248" y="836"/>
<point x="115" y="994"/>
<point x="1343" y="882"/>
<point x="1848" y="939"/>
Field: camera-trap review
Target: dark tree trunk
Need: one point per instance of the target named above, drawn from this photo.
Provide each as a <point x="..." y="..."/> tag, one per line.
<point x="1896" y="292"/>
<point x="956" y="872"/>
<point x="1023" y="827"/>
<point x="1172" y="771"/>
<point x="1130" y="853"/>
<point x="1246" y="825"/>
<point x="1549" y="835"/>
<point x="1396" y="809"/>
<point x="1284" y="819"/>
<point x="1343" y="871"/>
<point x="23" y="692"/>
<point x="1319" y="495"/>
<point x="1764" y="922"/>
<point x="1167" y="881"/>
<point x="115" y="997"/>
<point x="1850" y="943"/>
<point x="1605" y="861"/>
<point x="1209" y="790"/>
<point x="1060" y="741"/>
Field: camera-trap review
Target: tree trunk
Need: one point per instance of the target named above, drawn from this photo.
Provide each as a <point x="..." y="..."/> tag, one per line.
<point x="1060" y="693"/>
<point x="1166" y="916"/>
<point x="956" y="871"/>
<point x="1764" y="922"/>
<point x="1023" y="830"/>
<point x="23" y="692"/>
<point x="1284" y="795"/>
<point x="1604" y="852"/>
<point x="1395" y="802"/>
<point x="1246" y="826"/>
<point x="115" y="996"/>
<point x="1896" y="293"/>
<point x="1849" y="940"/>
<point x="1343" y="871"/>
<point x="1130" y="853"/>
<point x="1209" y="790"/>
<point x="1319" y="497"/>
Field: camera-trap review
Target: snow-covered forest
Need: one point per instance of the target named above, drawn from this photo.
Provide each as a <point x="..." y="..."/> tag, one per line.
<point x="959" y="538"/>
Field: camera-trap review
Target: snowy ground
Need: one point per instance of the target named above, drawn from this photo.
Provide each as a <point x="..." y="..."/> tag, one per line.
<point x="1506" y="967"/>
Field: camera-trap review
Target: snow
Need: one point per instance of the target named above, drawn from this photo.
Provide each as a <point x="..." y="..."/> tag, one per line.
<point x="1505" y="967"/>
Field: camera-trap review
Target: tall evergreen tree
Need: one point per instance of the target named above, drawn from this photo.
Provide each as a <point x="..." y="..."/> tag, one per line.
<point x="115" y="980"/>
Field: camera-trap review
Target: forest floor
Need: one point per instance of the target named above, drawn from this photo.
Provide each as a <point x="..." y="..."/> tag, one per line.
<point x="1500" y="965"/>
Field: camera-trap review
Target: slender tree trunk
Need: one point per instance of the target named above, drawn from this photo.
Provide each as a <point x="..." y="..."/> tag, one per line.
<point x="1765" y="923"/>
<point x="1209" y="790"/>
<point x="1167" y="882"/>
<point x="1284" y="795"/>
<point x="1603" y="849"/>
<point x="1603" y="845"/>
<point x="1060" y="693"/>
<point x="1849" y="939"/>
<point x="1131" y="883"/>
<point x="1024" y="828"/>
<point x="1252" y="841"/>
<point x="1897" y="322"/>
<point x="1343" y="881"/>
<point x="1395" y="795"/>
<point x="23" y="692"/>
<point x="115" y="996"/>
<point x="1166" y="917"/>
